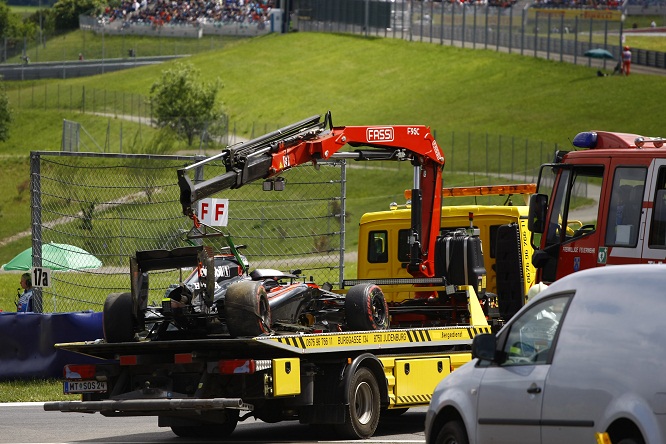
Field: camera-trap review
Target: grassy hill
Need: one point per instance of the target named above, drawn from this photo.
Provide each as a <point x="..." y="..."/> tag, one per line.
<point x="278" y="79"/>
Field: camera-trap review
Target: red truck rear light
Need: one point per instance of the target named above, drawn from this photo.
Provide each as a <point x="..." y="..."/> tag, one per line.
<point x="183" y="358"/>
<point x="128" y="360"/>
<point x="79" y="371"/>
<point x="237" y="366"/>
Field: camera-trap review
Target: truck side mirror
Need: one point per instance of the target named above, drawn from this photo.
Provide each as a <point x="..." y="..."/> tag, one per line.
<point x="484" y="347"/>
<point x="536" y="221"/>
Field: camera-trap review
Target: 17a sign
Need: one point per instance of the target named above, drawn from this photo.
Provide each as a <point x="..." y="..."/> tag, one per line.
<point x="41" y="277"/>
<point x="213" y="212"/>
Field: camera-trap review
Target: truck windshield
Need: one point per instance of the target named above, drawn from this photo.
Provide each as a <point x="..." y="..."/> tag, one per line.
<point x="574" y="203"/>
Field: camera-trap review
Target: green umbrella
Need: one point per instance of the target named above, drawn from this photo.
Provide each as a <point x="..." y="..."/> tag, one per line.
<point x="599" y="53"/>
<point x="56" y="257"/>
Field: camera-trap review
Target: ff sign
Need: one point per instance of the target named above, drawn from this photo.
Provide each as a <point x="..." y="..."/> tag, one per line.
<point x="214" y="212"/>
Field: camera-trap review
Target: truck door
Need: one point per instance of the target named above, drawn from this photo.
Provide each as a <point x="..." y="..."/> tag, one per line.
<point x="654" y="234"/>
<point x="572" y="235"/>
<point x="625" y="221"/>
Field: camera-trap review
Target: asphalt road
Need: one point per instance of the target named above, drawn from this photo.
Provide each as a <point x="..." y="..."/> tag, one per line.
<point x="29" y="423"/>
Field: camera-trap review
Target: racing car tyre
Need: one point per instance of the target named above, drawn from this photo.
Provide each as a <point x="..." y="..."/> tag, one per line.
<point x="247" y="310"/>
<point x="366" y="308"/>
<point x="117" y="318"/>
<point x="218" y="431"/>
<point x="362" y="413"/>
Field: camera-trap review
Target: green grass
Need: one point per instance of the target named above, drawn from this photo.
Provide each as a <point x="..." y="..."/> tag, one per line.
<point x="451" y="89"/>
<point x="278" y="79"/>
<point x="34" y="391"/>
<point x="275" y="80"/>
<point x="95" y="46"/>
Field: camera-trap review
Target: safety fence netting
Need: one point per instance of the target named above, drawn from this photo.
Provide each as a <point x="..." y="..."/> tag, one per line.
<point x="91" y="212"/>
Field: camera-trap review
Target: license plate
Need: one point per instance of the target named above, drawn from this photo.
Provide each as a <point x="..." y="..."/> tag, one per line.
<point x="84" y="386"/>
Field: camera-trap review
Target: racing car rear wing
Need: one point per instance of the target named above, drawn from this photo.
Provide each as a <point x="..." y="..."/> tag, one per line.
<point x="184" y="257"/>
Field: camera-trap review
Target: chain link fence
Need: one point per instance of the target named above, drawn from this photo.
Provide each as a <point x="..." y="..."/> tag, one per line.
<point x="112" y="205"/>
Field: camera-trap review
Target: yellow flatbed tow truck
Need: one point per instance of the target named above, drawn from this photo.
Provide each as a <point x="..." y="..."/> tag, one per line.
<point x="203" y="387"/>
<point x="274" y="346"/>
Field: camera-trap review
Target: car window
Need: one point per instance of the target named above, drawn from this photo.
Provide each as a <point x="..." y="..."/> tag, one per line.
<point x="531" y="336"/>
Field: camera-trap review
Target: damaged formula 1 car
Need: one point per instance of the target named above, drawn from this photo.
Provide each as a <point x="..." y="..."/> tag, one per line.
<point x="241" y="304"/>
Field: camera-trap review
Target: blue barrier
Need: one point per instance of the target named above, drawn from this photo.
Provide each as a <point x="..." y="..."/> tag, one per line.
<point x="27" y="339"/>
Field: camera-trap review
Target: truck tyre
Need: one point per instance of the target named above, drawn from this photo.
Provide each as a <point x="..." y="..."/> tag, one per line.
<point x="118" y="318"/>
<point x="366" y="308"/>
<point x="362" y="413"/>
<point x="247" y="310"/>
<point x="218" y="431"/>
<point x="453" y="432"/>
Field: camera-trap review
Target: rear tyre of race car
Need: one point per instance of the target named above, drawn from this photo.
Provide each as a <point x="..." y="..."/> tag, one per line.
<point x="118" y="318"/>
<point x="362" y="413"/>
<point x="215" y="431"/>
<point x="246" y="309"/>
<point x="366" y="308"/>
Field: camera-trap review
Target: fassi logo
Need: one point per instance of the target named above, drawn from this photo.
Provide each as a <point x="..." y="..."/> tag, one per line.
<point x="380" y="134"/>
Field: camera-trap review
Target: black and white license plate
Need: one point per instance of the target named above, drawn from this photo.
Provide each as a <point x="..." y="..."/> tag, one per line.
<point x="84" y="386"/>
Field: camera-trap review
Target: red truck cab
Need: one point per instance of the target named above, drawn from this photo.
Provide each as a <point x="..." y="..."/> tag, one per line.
<point x="603" y="204"/>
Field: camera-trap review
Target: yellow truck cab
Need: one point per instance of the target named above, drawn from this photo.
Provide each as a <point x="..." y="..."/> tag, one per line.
<point x="383" y="248"/>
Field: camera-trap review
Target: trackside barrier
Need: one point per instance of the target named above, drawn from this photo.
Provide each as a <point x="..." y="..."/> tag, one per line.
<point x="27" y="350"/>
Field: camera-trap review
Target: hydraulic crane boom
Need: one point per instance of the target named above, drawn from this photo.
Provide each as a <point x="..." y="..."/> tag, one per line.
<point x="311" y="140"/>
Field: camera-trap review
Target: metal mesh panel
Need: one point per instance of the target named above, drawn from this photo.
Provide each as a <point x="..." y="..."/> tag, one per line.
<point x="113" y="205"/>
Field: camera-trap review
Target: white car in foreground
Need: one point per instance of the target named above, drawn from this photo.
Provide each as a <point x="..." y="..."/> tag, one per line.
<point x="584" y="361"/>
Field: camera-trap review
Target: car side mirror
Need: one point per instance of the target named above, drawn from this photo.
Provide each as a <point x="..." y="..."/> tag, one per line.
<point x="484" y="347"/>
<point x="537" y="214"/>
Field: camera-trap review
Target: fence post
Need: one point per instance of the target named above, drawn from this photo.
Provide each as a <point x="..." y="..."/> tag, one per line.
<point x="499" y="158"/>
<point x="474" y="31"/>
<point x="464" y="22"/>
<point x="510" y="29"/>
<point x="606" y="40"/>
<point x="576" y="40"/>
<point x="548" y="39"/>
<point x="487" y="161"/>
<point x="513" y="153"/>
<point x="485" y="45"/>
<point x="36" y="220"/>
<point x="526" y="148"/>
<point x="499" y="25"/>
<point x="453" y="137"/>
<point x="589" y="59"/>
<point x="536" y="32"/>
<point x="522" y="32"/>
<point x="441" y="25"/>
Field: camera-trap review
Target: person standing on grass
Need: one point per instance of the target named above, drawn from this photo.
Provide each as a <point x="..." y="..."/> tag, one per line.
<point x="626" y="60"/>
<point x="24" y="303"/>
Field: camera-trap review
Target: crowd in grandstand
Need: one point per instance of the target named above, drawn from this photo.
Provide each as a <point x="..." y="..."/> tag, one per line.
<point x="193" y="12"/>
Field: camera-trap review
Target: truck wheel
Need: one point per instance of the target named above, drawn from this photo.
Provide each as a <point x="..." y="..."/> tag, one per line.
<point x="219" y="431"/>
<point x="362" y="413"/>
<point x="117" y="318"/>
<point x="453" y="432"/>
<point x="247" y="310"/>
<point x="366" y="308"/>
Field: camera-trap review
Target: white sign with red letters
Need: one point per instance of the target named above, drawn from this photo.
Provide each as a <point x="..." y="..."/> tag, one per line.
<point x="213" y="212"/>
